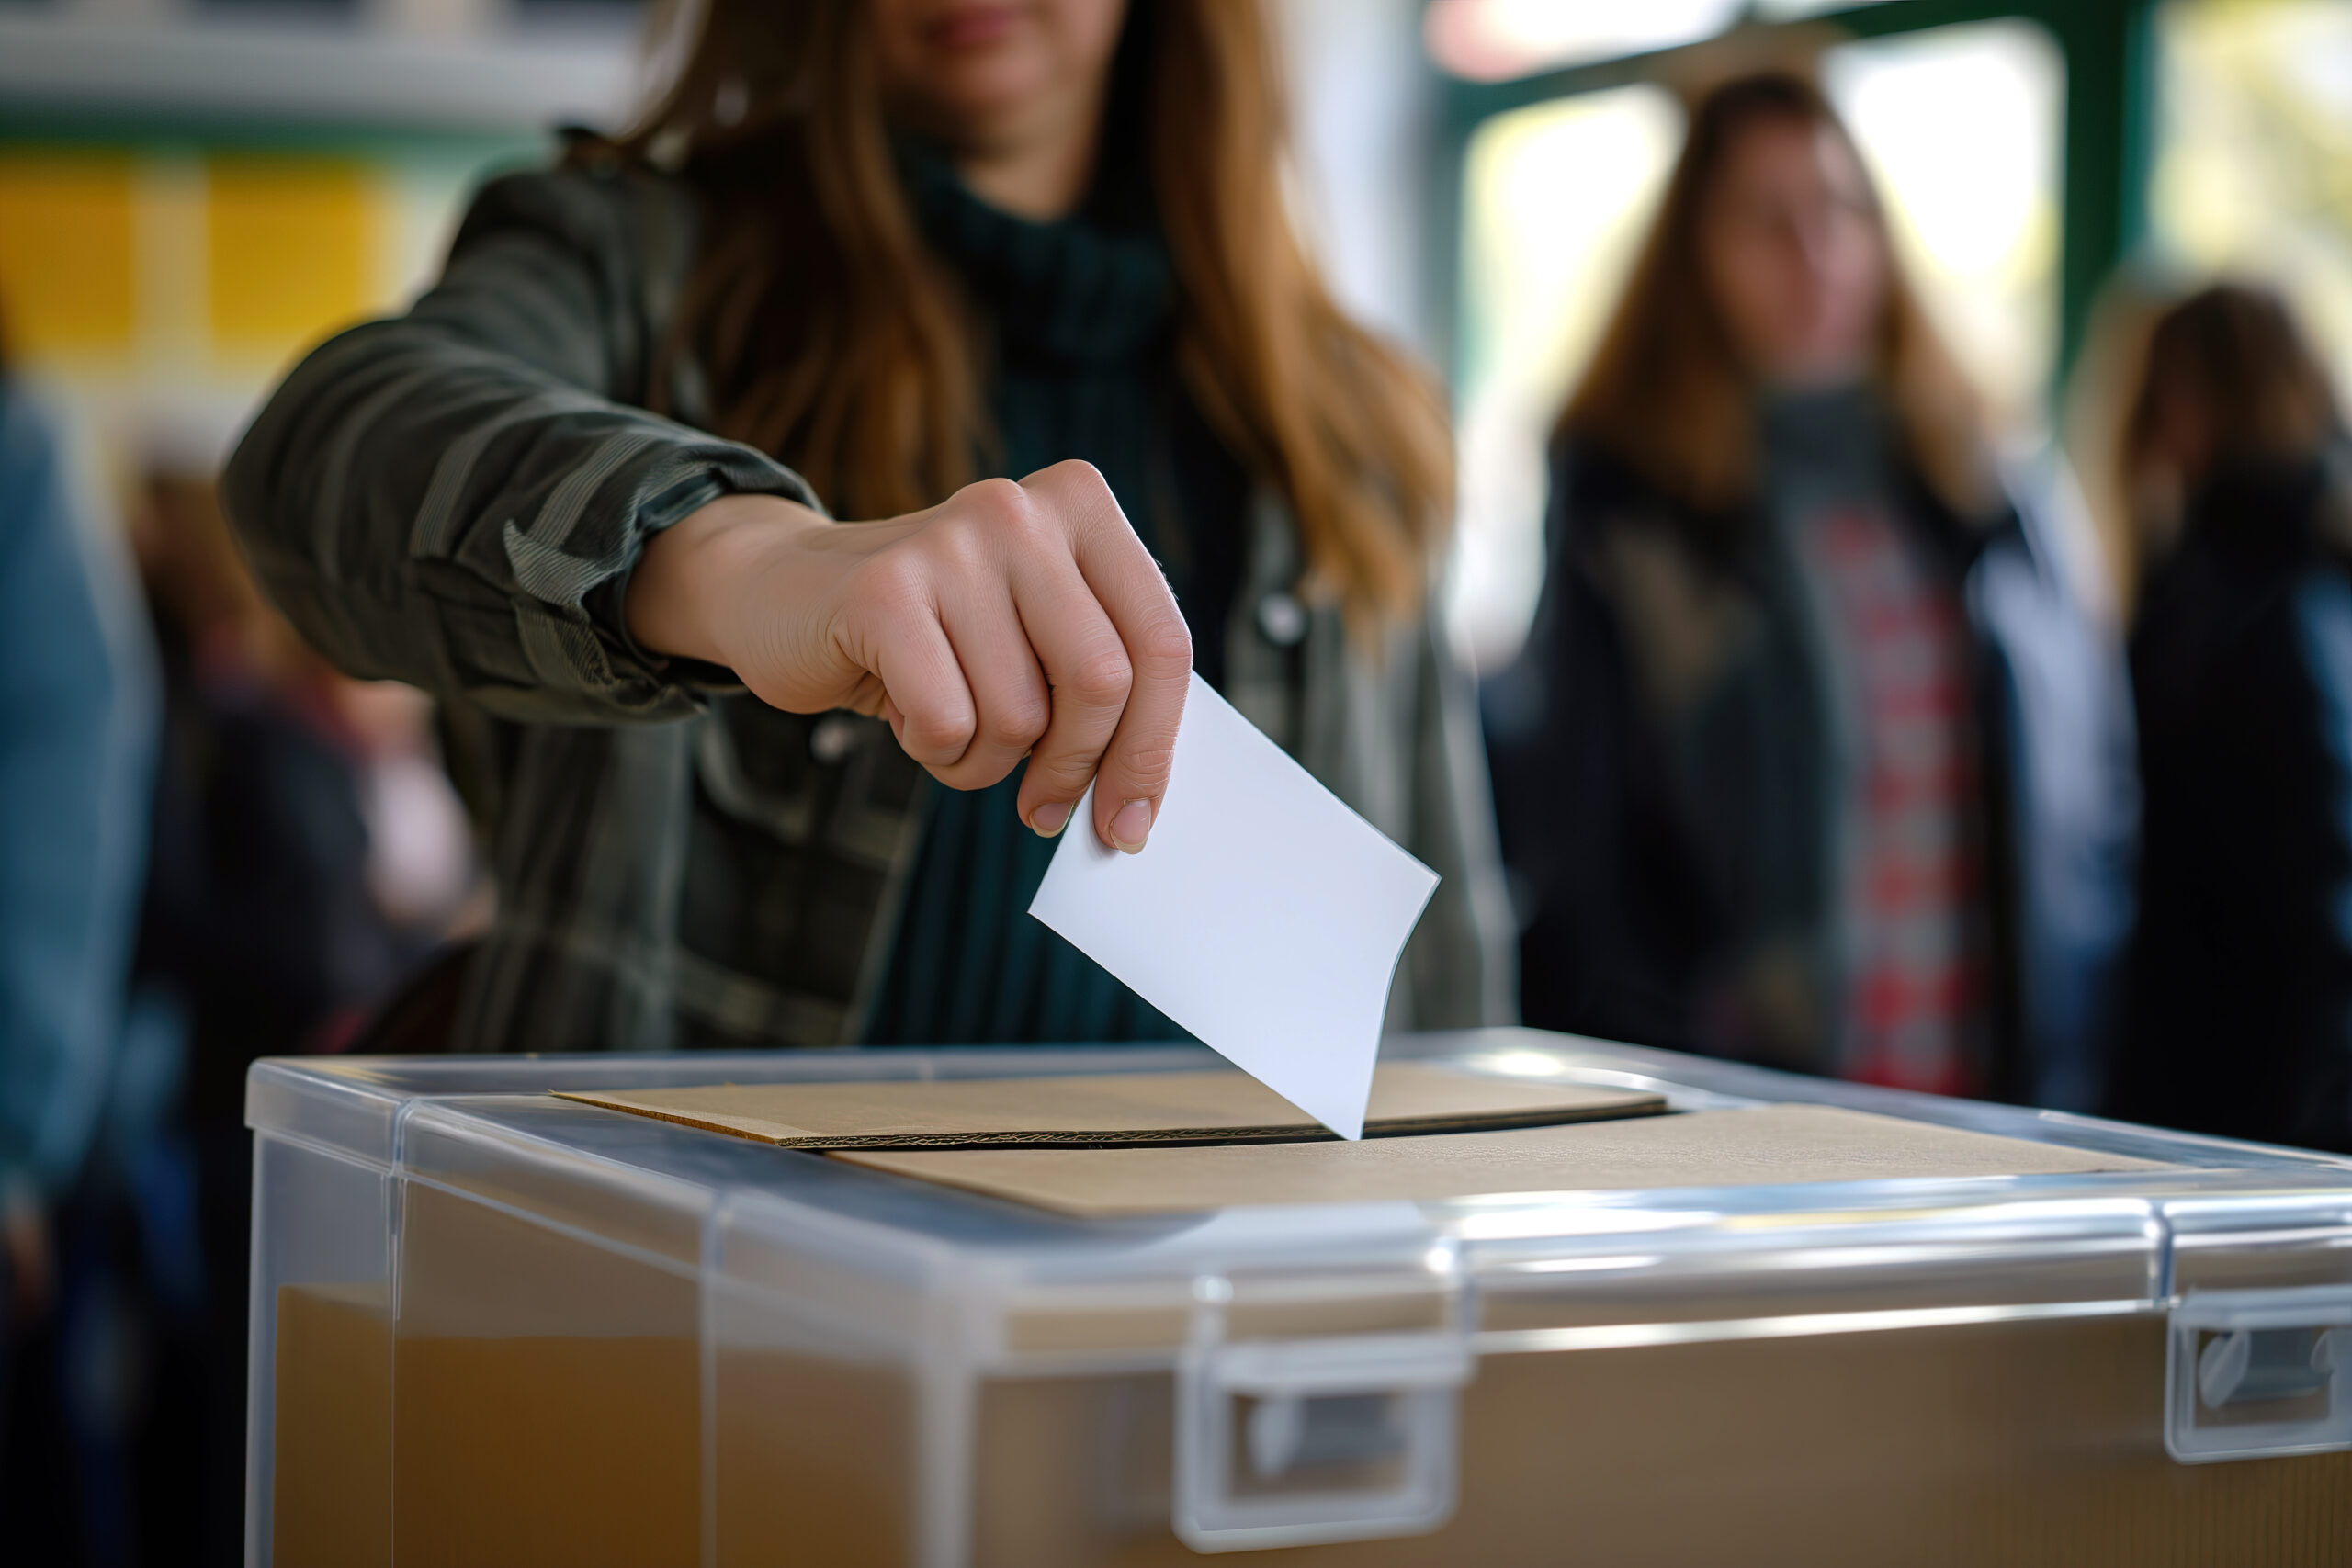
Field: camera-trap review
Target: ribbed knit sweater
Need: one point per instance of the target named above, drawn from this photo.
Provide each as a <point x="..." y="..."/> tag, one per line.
<point x="1078" y="320"/>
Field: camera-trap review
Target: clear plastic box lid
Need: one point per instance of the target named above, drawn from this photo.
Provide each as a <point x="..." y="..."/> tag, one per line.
<point x="487" y="1126"/>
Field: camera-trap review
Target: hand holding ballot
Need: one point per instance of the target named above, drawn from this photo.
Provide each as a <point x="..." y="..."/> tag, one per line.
<point x="1009" y="621"/>
<point x="1265" y="916"/>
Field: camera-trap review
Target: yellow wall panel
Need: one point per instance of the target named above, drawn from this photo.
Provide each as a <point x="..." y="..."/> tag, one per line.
<point x="68" y="271"/>
<point x="291" y="250"/>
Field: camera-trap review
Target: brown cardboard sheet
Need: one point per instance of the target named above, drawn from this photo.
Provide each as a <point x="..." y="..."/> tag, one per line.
<point x="1706" y="1149"/>
<point x="1108" y="1110"/>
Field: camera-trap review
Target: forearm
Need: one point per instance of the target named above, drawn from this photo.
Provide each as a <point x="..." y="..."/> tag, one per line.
<point x="429" y="510"/>
<point x="668" y="606"/>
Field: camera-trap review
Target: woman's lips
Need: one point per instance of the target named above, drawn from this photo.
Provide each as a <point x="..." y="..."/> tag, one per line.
<point x="973" y="27"/>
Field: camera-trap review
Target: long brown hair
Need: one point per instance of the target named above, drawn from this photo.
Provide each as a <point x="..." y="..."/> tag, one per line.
<point x="831" y="336"/>
<point x="1665" y="391"/>
<point x="2234" y="352"/>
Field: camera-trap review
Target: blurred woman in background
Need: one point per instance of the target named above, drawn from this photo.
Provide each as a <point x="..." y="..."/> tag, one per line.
<point x="899" y="245"/>
<point x="2235" y="465"/>
<point x="1812" y="757"/>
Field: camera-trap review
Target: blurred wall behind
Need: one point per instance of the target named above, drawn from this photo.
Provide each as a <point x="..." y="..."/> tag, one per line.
<point x="191" y="193"/>
<point x="193" y="190"/>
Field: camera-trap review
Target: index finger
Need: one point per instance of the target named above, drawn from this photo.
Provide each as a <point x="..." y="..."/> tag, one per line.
<point x="1132" y="777"/>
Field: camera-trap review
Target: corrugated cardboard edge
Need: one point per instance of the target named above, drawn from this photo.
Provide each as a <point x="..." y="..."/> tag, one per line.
<point x="1331" y="1171"/>
<point x="1047" y="1138"/>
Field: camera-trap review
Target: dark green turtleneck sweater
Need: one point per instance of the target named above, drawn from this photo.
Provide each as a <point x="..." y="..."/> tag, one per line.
<point x="1078" y="318"/>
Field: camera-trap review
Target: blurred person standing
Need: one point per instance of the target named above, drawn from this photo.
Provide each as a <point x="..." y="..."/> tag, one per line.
<point x="899" y="245"/>
<point x="2235" y="467"/>
<point x="77" y="721"/>
<point x="307" y="855"/>
<point x="1813" y="757"/>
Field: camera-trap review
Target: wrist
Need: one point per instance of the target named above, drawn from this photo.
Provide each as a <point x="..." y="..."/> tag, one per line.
<point x="677" y="593"/>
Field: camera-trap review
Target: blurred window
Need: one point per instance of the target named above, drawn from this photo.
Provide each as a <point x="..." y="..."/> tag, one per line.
<point x="1556" y="196"/>
<point x="1491" y="40"/>
<point x="2253" y="154"/>
<point x="1975" y="215"/>
<point x="1555" y="201"/>
<point x="1488" y="40"/>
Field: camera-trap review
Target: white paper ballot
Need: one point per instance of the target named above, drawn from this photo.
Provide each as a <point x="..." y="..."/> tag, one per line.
<point x="1263" y="915"/>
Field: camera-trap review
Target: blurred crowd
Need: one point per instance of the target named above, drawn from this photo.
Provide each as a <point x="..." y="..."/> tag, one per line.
<point x="1840" y="743"/>
<point x="1830" y="748"/>
<point x="217" y="849"/>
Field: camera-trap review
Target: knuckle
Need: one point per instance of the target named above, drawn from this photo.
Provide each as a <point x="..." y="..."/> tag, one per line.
<point x="1101" y="678"/>
<point x="1063" y="771"/>
<point x="998" y="503"/>
<point x="1163" y="645"/>
<point x="929" y="733"/>
<point x="1015" y="726"/>
<point x="1058" y="780"/>
<point x="1091" y="502"/>
<point x="971" y="773"/>
<point x="1080" y="472"/>
<point x="1147" y="768"/>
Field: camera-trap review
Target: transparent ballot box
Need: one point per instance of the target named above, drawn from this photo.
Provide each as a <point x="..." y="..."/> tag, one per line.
<point x="493" y="1326"/>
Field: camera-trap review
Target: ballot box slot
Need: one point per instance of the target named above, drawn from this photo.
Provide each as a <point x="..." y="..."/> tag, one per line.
<point x="2259" y="1374"/>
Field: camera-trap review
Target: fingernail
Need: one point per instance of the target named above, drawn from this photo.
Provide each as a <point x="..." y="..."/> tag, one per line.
<point x="1049" y="818"/>
<point x="1132" y="826"/>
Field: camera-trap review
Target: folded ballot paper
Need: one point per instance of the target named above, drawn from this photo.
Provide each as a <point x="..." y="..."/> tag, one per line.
<point x="1264" y="916"/>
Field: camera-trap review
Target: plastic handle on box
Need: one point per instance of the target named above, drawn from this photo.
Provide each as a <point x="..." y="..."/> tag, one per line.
<point x="2254" y="1364"/>
<point x="1298" y="1442"/>
<point x="2254" y="1374"/>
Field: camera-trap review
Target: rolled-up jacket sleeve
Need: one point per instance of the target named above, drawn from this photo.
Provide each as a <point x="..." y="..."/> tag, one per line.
<point x="455" y="497"/>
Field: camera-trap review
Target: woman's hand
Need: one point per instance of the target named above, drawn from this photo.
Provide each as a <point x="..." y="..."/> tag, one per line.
<point x="1010" y="620"/>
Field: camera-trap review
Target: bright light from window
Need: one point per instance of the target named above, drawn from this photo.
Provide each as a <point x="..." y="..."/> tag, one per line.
<point x="1555" y="201"/>
<point x="1488" y="40"/>
<point x="1975" y="215"/>
<point x="2254" y="167"/>
<point x="1491" y="40"/>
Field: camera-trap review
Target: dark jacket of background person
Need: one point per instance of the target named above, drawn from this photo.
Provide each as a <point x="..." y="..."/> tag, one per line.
<point x="2240" y="1018"/>
<point x="455" y="497"/>
<point x="1637" y="872"/>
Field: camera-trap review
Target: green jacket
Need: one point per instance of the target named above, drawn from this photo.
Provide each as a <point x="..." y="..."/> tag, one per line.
<point x="455" y="497"/>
